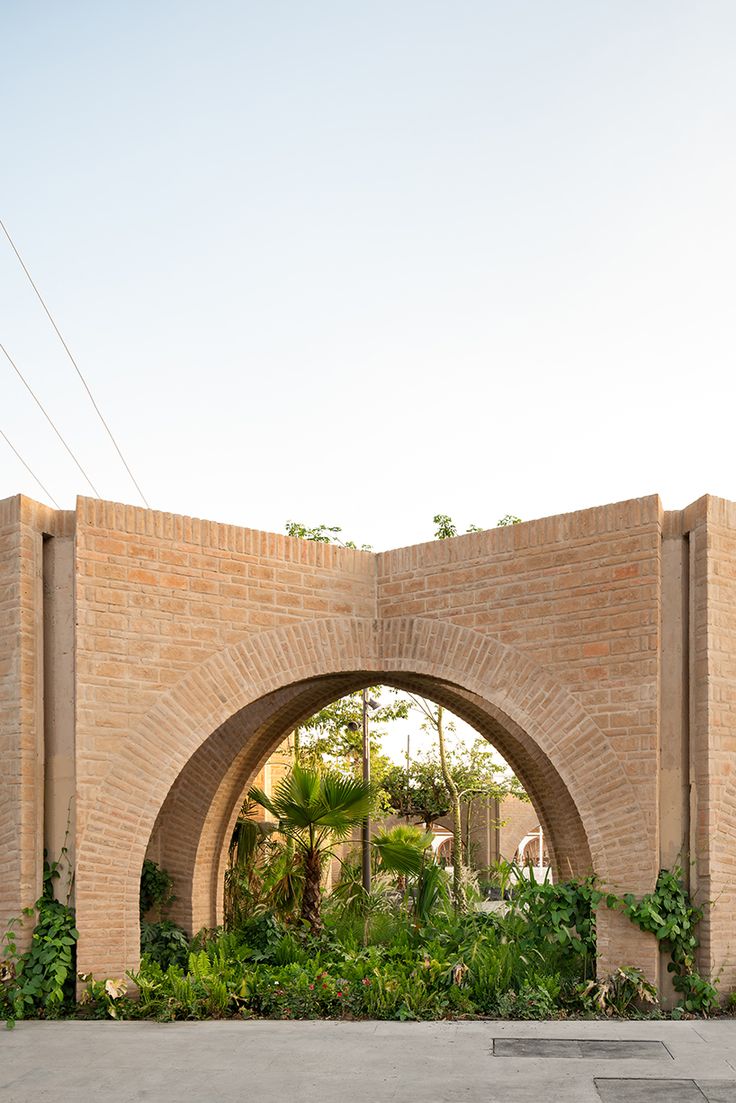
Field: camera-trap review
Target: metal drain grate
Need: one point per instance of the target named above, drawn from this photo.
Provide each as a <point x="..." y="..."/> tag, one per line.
<point x="631" y="1090"/>
<point x="591" y="1048"/>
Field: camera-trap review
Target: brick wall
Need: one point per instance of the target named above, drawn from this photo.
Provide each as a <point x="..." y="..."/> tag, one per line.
<point x="18" y="840"/>
<point x="157" y="594"/>
<point x="199" y="645"/>
<point x="518" y="818"/>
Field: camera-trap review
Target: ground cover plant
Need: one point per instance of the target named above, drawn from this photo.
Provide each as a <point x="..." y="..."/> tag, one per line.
<point x="391" y="967"/>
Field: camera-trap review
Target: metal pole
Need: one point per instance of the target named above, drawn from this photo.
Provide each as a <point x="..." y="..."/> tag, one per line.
<point x="367" y="780"/>
<point x="408" y="785"/>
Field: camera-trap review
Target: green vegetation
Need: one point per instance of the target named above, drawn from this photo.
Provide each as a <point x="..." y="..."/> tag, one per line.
<point x="322" y="534"/>
<point x="670" y="915"/>
<point x="446" y="529"/>
<point x="40" y="981"/>
<point x="161" y="940"/>
<point x="314" y="810"/>
<point x="333" y="738"/>
<point x="157" y="889"/>
<point x="400" y="952"/>
<point x="401" y="964"/>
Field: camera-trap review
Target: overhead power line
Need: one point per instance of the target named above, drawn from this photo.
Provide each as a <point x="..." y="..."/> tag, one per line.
<point x="74" y="363"/>
<point x="29" y="469"/>
<point x="45" y="413"/>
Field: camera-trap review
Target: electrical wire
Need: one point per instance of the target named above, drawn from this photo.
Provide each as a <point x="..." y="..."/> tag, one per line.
<point x="48" y="417"/>
<point x="29" y="470"/>
<point x="74" y="364"/>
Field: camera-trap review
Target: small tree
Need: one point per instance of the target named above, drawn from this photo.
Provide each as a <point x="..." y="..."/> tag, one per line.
<point x="417" y="793"/>
<point x="480" y="777"/>
<point x="434" y="718"/>
<point x="446" y="528"/>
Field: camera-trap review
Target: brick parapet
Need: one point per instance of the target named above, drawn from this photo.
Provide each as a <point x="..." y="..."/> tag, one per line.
<point x="172" y="528"/>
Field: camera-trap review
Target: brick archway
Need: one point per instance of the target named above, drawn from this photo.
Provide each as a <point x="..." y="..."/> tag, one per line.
<point x="265" y="682"/>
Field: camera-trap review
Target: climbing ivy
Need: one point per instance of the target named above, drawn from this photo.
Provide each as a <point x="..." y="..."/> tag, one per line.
<point x="41" y="980"/>
<point x="671" y="916"/>
<point x="565" y="912"/>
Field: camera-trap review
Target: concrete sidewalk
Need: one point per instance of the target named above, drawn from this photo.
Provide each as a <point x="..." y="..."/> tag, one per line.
<point x="369" y="1062"/>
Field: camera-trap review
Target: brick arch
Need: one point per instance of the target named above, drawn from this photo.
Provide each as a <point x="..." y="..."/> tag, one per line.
<point x="507" y="688"/>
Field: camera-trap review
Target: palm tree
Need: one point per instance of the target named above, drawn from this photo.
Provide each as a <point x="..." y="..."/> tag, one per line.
<point x="315" y="809"/>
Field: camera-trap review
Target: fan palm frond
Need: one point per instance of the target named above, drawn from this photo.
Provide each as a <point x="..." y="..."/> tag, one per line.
<point x="401" y="850"/>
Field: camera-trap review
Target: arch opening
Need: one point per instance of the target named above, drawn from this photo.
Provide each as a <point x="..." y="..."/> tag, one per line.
<point x="196" y="820"/>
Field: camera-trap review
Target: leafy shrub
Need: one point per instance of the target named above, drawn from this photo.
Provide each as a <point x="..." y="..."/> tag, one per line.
<point x="532" y="1001"/>
<point x="262" y="933"/>
<point x="41" y="980"/>
<point x="562" y="913"/>
<point x="164" y="943"/>
<point x="699" y="995"/>
<point x="453" y="965"/>
<point x="100" y="996"/>
<point x="157" y="889"/>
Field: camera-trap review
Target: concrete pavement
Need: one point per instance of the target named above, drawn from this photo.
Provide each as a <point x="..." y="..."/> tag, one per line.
<point x="369" y="1062"/>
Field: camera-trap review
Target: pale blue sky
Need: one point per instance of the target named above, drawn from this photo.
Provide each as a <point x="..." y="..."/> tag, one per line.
<point x="360" y="263"/>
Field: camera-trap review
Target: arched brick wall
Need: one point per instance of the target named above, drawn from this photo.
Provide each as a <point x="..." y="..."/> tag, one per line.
<point x="257" y="687"/>
<point x="597" y="649"/>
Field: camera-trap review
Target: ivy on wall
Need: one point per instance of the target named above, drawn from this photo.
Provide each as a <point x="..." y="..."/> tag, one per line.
<point x="41" y="980"/>
<point x="671" y="916"/>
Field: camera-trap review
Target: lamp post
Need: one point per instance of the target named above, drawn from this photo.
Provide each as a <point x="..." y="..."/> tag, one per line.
<point x="408" y="784"/>
<point x="367" y="703"/>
